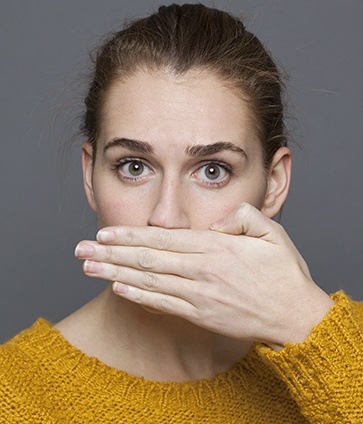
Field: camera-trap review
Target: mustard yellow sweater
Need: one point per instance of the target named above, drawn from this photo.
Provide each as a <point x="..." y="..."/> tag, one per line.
<point x="44" y="379"/>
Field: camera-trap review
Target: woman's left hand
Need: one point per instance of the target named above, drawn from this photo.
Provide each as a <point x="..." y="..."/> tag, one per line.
<point x="244" y="280"/>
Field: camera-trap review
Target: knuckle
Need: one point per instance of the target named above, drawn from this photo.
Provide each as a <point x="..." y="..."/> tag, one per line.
<point x="145" y="259"/>
<point x="244" y="209"/>
<point x="214" y="242"/>
<point x="199" y="292"/>
<point x="195" y="315"/>
<point x="115" y="273"/>
<point x="108" y="253"/>
<point x="208" y="271"/>
<point x="242" y="215"/>
<point x="150" y="280"/>
<point x="128" y="236"/>
<point x="162" y="239"/>
<point x="165" y="305"/>
<point x="221" y="248"/>
<point x="138" y="296"/>
<point x="230" y="249"/>
<point x="278" y="227"/>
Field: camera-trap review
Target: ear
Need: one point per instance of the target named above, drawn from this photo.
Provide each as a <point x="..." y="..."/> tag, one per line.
<point x="278" y="182"/>
<point x="87" y="166"/>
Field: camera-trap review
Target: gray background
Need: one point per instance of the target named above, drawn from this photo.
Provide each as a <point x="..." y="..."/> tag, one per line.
<point x="43" y="212"/>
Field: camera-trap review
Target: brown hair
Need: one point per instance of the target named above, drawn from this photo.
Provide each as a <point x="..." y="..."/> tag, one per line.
<point x="193" y="36"/>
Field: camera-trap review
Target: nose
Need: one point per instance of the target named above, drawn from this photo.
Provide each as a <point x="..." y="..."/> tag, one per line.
<point x="170" y="207"/>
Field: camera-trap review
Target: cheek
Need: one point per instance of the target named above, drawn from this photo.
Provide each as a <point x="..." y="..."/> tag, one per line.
<point x="115" y="208"/>
<point x="212" y="208"/>
<point x="111" y="213"/>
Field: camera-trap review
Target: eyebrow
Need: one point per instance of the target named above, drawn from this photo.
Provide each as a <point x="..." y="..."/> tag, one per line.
<point x="197" y="150"/>
<point x="134" y="145"/>
<point x="200" y="150"/>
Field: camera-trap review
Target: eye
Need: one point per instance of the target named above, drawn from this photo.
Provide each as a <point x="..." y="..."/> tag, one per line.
<point x="130" y="169"/>
<point x="134" y="168"/>
<point x="214" y="173"/>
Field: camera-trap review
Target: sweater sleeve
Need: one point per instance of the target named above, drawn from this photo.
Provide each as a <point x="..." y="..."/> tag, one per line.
<point x="325" y="372"/>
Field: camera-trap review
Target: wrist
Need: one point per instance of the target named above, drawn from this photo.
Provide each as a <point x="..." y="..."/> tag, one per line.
<point x="308" y="312"/>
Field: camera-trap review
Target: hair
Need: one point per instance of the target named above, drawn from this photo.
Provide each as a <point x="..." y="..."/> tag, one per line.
<point x="192" y="37"/>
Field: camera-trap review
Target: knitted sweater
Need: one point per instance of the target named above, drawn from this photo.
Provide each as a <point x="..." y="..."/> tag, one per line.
<point x="44" y="379"/>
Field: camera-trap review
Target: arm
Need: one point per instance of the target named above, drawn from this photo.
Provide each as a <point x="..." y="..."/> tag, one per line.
<point x="325" y="372"/>
<point x="250" y="283"/>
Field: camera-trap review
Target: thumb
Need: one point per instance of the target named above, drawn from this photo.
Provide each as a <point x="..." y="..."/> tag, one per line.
<point x="246" y="220"/>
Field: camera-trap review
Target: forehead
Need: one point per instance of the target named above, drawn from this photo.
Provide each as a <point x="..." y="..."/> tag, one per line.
<point x="165" y="109"/>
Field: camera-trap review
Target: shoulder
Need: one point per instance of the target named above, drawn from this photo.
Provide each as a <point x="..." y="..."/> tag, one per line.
<point x="21" y="371"/>
<point x="22" y="351"/>
<point x="357" y="309"/>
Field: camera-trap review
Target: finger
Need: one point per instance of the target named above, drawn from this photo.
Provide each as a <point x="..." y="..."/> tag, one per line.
<point x="176" y="240"/>
<point x="160" y="302"/>
<point x="247" y="220"/>
<point x="159" y="283"/>
<point x="181" y="264"/>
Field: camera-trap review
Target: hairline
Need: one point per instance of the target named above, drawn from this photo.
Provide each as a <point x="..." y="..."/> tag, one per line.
<point x="169" y="70"/>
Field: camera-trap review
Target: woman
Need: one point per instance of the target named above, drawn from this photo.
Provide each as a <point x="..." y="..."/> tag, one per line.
<point x="212" y="315"/>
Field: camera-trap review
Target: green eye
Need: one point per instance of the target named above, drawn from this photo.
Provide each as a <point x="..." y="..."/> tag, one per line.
<point x="135" y="168"/>
<point x="212" y="172"/>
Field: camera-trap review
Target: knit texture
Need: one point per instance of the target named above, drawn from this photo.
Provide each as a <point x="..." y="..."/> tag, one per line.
<point x="44" y="379"/>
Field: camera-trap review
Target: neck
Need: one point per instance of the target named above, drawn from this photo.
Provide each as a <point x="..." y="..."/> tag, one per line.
<point x="145" y="343"/>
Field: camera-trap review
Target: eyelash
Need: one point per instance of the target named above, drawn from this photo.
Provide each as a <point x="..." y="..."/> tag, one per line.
<point x="226" y="167"/>
<point x="117" y="168"/>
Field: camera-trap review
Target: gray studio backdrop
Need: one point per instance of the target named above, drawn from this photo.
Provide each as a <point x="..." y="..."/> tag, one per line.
<point x="43" y="212"/>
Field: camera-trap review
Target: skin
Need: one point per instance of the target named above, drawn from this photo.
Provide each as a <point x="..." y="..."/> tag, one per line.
<point x="158" y="189"/>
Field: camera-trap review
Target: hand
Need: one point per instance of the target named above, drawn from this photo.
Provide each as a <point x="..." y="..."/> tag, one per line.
<point x="251" y="283"/>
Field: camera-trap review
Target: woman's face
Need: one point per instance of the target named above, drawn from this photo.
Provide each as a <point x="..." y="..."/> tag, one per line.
<point x="174" y="152"/>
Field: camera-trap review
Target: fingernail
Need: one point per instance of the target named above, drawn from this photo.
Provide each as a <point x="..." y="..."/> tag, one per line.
<point x="218" y="224"/>
<point x="105" y="236"/>
<point x="120" y="288"/>
<point x="84" y="251"/>
<point x="92" y="267"/>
